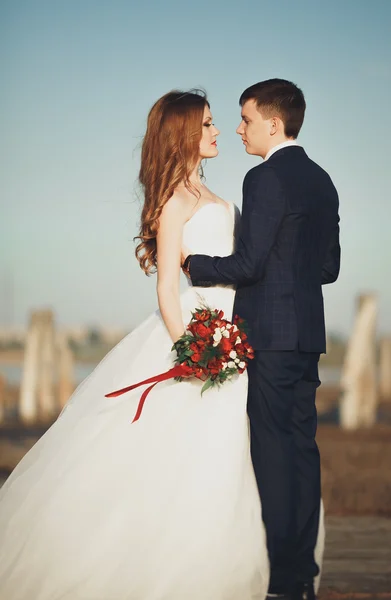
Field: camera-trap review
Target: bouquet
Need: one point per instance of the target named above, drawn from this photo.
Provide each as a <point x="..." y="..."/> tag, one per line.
<point x="212" y="349"/>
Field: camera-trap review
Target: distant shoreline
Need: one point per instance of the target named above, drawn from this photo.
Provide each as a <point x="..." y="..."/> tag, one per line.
<point x="329" y="375"/>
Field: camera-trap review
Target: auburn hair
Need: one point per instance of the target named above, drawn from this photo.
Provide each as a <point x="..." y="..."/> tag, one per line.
<point x="170" y="152"/>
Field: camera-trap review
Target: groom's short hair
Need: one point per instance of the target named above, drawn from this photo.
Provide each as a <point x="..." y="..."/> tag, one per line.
<point x="278" y="97"/>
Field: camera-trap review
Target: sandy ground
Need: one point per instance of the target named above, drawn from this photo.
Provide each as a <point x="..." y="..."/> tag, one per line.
<point x="356" y="476"/>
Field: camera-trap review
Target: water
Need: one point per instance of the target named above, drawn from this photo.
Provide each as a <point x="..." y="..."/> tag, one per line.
<point x="13" y="373"/>
<point x="330" y="375"/>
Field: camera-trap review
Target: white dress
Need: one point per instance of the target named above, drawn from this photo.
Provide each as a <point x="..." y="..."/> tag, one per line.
<point x="166" y="508"/>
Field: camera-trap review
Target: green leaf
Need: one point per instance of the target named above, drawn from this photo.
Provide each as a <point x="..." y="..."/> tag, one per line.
<point x="208" y="383"/>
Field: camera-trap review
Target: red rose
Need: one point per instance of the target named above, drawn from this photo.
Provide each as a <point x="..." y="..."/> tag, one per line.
<point x="226" y="345"/>
<point x="250" y="353"/>
<point x="214" y="366"/>
<point x="192" y="328"/>
<point x="203" y="315"/>
<point x="232" y="340"/>
<point x="203" y="331"/>
<point x="218" y="323"/>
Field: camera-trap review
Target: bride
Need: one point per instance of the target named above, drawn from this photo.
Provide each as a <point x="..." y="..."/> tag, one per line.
<point x="166" y="508"/>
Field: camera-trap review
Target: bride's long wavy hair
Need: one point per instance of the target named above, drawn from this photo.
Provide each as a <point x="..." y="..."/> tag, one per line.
<point x="170" y="152"/>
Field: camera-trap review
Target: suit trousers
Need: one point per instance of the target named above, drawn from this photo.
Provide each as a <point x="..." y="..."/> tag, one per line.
<point x="283" y="422"/>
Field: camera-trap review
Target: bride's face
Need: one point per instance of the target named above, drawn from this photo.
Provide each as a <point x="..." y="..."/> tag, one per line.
<point x="208" y="144"/>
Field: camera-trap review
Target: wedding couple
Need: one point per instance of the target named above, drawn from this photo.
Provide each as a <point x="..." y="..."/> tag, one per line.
<point x="204" y="498"/>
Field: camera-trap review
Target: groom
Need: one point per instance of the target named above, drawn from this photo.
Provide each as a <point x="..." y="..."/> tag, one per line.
<point x="289" y="247"/>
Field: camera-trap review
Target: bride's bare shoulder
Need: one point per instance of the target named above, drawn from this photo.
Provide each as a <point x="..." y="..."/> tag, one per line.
<point x="177" y="207"/>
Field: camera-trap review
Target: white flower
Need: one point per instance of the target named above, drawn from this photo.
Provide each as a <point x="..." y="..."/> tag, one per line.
<point x="238" y="340"/>
<point x="237" y="360"/>
<point x="224" y="366"/>
<point x="226" y="333"/>
<point x="217" y="335"/>
<point x="229" y="326"/>
<point x="235" y="329"/>
<point x="242" y="365"/>
<point x="231" y="365"/>
<point x="232" y="354"/>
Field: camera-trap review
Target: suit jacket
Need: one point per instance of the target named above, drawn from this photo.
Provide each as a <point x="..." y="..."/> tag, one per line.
<point x="288" y="247"/>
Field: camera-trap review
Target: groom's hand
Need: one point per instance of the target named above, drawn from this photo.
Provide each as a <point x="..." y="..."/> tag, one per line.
<point x="185" y="255"/>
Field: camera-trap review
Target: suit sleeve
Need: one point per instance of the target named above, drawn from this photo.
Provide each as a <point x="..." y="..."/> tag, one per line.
<point x="331" y="265"/>
<point x="264" y="208"/>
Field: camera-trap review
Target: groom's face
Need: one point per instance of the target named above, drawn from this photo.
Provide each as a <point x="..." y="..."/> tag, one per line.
<point x="254" y="130"/>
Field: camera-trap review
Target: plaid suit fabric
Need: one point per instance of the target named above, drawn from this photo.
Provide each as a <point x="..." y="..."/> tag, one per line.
<point x="287" y="248"/>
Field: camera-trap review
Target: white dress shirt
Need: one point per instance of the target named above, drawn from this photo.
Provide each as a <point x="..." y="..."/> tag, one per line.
<point x="279" y="146"/>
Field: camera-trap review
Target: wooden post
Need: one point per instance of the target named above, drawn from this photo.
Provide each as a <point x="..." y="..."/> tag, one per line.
<point x="47" y="406"/>
<point x="28" y="408"/>
<point x="359" y="399"/>
<point x="65" y="370"/>
<point x="3" y="389"/>
<point x="385" y="369"/>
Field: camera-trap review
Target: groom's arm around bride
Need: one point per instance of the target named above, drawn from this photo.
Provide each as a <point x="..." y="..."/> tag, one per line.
<point x="289" y="232"/>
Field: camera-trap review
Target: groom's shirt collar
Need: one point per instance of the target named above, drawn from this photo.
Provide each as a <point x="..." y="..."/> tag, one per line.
<point x="280" y="146"/>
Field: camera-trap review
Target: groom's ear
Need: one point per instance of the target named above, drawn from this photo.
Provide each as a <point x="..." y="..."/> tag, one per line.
<point x="274" y="125"/>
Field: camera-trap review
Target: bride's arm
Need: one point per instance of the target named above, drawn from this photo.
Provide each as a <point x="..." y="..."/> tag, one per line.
<point x="169" y="242"/>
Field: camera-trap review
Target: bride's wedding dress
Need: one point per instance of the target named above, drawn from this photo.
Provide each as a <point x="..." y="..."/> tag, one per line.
<point x="166" y="508"/>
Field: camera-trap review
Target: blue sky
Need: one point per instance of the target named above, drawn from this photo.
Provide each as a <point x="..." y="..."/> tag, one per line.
<point x="78" y="78"/>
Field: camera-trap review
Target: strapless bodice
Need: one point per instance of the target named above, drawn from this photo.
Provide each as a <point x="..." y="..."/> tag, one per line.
<point x="210" y="231"/>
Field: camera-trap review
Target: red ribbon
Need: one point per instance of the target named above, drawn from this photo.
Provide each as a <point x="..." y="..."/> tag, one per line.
<point x="178" y="371"/>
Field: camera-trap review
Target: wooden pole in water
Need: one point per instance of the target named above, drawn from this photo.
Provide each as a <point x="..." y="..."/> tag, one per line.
<point x="47" y="406"/>
<point x="3" y="389"/>
<point x="65" y="370"/>
<point x="28" y="407"/>
<point x="385" y="369"/>
<point x="359" y="401"/>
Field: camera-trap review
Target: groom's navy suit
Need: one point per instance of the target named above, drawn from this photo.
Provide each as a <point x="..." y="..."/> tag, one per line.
<point x="288" y="247"/>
